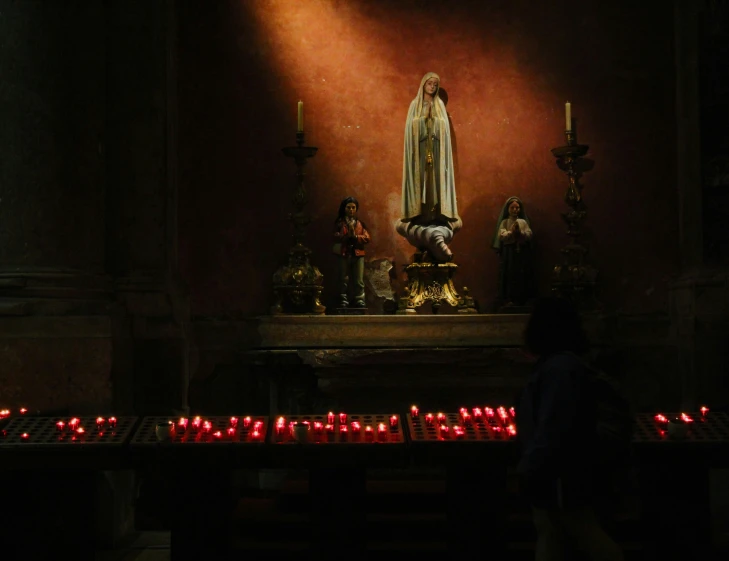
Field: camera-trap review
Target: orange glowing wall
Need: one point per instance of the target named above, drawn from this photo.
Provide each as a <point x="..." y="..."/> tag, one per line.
<point x="507" y="68"/>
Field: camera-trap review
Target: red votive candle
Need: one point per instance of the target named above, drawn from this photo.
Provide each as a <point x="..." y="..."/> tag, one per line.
<point x="207" y="426"/>
<point x="512" y="412"/>
<point x="477" y="412"/>
<point x="182" y="423"/>
<point x="255" y="435"/>
<point x="686" y="419"/>
<point x="4" y="413"/>
<point x="246" y="422"/>
<point x="429" y="418"/>
<point x="368" y="432"/>
<point x="60" y="425"/>
<point x="231" y="431"/>
<point x="234" y="422"/>
<point x="330" y="417"/>
<point x="393" y="420"/>
<point x="414" y="411"/>
<point x="342" y="418"/>
<point x="100" y="422"/>
<point x="343" y="429"/>
<point x="503" y="414"/>
<point x="112" y="422"/>
<point x="330" y="428"/>
<point x="441" y="417"/>
<point x="356" y="426"/>
<point x="23" y="410"/>
<point x="319" y="426"/>
<point x="218" y="434"/>
<point x="73" y="423"/>
<point x="24" y="436"/>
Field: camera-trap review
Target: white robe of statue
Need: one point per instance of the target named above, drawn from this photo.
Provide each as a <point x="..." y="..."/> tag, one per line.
<point x="428" y="207"/>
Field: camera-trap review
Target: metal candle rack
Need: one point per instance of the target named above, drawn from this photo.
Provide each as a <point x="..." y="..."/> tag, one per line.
<point x="475" y="424"/>
<point x="478" y="424"/>
<point x="47" y="432"/>
<point x="216" y="430"/>
<point x="702" y="427"/>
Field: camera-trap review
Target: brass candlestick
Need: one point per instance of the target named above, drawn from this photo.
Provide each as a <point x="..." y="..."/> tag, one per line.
<point x="297" y="286"/>
<point x="574" y="279"/>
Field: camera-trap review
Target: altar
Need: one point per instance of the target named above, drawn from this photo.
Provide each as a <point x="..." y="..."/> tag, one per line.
<point x="381" y="363"/>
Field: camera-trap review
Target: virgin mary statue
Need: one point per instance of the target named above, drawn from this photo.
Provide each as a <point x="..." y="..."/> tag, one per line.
<point x="429" y="211"/>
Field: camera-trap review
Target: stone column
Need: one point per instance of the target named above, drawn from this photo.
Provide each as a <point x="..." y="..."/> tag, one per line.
<point x="142" y="202"/>
<point x="688" y="134"/>
<point x="699" y="298"/>
<point x="54" y="296"/>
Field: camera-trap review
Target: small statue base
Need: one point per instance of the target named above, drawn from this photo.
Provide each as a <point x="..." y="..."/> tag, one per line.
<point x="351" y="311"/>
<point x="433" y="282"/>
<point x="297" y="286"/>
<point x="297" y="300"/>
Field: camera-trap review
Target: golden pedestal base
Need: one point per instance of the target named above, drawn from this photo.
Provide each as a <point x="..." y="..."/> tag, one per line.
<point x="433" y="282"/>
<point x="297" y="286"/>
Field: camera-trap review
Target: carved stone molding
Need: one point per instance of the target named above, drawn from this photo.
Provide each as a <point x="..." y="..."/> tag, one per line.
<point x="54" y="292"/>
<point x="395" y="331"/>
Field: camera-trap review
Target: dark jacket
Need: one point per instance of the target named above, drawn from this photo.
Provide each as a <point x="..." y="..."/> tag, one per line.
<point x="556" y="428"/>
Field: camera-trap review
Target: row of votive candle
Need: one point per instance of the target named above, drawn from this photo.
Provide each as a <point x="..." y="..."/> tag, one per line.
<point x="661" y="419"/>
<point x="336" y="424"/>
<point x="487" y="415"/>
<point x="5" y="413"/>
<point x="73" y="425"/>
<point x="200" y="425"/>
<point x="475" y="414"/>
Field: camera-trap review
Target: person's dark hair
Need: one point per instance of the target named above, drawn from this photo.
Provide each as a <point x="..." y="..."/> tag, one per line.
<point x="342" y="206"/>
<point x="555" y="326"/>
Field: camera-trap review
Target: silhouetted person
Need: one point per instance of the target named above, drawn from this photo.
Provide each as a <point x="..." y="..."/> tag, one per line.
<point x="556" y="417"/>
